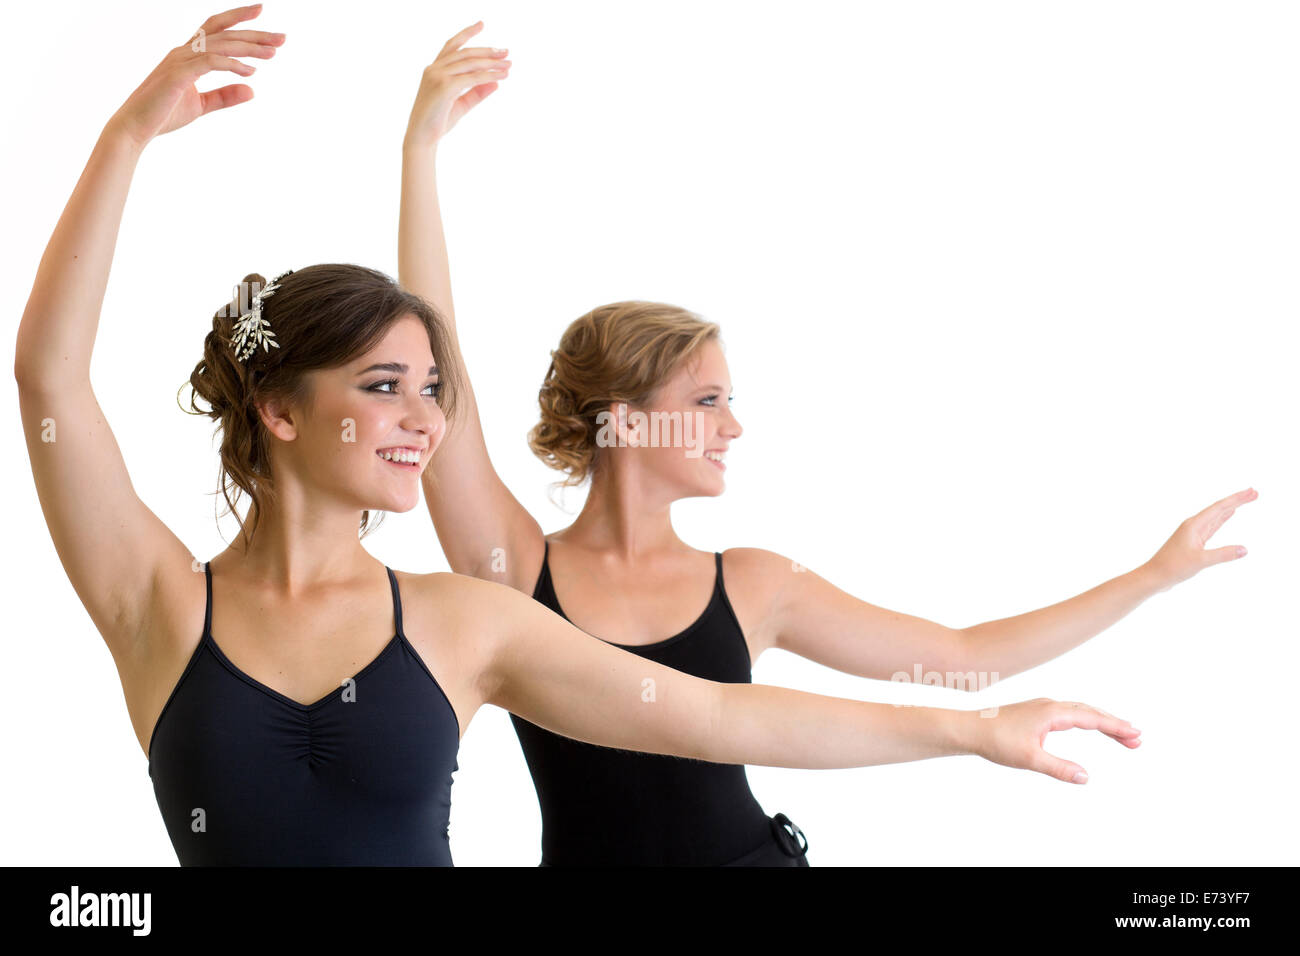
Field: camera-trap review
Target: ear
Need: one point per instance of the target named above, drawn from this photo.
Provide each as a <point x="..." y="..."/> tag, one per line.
<point x="626" y="424"/>
<point x="618" y="422"/>
<point x="278" y="419"/>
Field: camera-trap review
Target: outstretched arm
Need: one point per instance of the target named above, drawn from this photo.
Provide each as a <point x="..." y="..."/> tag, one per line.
<point x="807" y="615"/>
<point x="473" y="511"/>
<point x="539" y="666"/>
<point x="89" y="503"/>
<point x="1015" y="644"/>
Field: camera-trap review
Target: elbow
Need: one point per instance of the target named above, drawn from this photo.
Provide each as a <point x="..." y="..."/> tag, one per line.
<point x="26" y="353"/>
<point x="22" y="372"/>
<point x="962" y="660"/>
<point x="25" y="374"/>
<point x="29" y="371"/>
<point x="968" y="668"/>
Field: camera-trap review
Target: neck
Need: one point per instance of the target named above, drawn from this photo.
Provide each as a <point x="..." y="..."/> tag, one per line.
<point x="625" y="515"/>
<point x="297" y="547"/>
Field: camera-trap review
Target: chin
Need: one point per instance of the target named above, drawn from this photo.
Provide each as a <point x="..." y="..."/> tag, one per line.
<point x="397" y="504"/>
<point x="715" y="484"/>
<point x="710" y="489"/>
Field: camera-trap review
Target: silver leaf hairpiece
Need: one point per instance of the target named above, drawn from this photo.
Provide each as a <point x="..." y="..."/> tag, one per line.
<point x="251" y="330"/>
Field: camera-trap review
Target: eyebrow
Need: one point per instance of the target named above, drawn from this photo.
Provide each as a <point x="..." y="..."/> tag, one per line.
<point x="398" y="367"/>
<point x="716" y="388"/>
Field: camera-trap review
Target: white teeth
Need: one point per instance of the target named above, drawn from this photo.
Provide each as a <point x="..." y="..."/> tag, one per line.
<point x="713" y="455"/>
<point x="401" y="454"/>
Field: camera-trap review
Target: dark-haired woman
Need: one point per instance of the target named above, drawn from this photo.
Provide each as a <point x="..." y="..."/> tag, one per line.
<point x="298" y="702"/>
<point x="624" y="376"/>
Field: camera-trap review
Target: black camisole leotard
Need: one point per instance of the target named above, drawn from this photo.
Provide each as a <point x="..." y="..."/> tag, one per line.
<point x="602" y="806"/>
<point x="245" y="776"/>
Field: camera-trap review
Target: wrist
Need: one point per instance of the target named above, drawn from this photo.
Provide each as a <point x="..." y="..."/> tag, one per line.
<point x="420" y="144"/>
<point x="1150" y="579"/>
<point x="959" y="731"/>
<point x="116" y="136"/>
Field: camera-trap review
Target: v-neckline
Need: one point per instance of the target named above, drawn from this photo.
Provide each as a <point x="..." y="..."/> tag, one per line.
<point x="284" y="698"/>
<point x="397" y="638"/>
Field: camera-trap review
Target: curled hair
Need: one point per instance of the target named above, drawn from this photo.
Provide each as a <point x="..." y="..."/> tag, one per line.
<point x="621" y="352"/>
<point x="323" y="316"/>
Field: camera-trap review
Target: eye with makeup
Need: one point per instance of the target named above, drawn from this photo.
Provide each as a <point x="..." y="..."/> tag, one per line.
<point x="394" y="382"/>
<point x="710" y="399"/>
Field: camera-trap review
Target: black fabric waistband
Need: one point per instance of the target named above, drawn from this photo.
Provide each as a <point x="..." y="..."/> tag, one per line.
<point x="788" y="843"/>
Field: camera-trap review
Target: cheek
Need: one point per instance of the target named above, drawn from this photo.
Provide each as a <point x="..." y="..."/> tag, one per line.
<point x="349" y="431"/>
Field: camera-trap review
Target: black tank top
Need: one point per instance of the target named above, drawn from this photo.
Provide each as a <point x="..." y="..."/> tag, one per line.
<point x="602" y="806"/>
<point x="245" y="776"/>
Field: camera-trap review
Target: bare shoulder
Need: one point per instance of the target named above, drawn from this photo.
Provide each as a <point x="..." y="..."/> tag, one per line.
<point x="460" y="617"/>
<point x="757" y="561"/>
<point x="755" y="580"/>
<point x="758" y="570"/>
<point x="457" y="624"/>
<point x="457" y="595"/>
<point x="439" y="603"/>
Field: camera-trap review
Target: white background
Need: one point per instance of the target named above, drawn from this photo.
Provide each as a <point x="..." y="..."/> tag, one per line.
<point x="1008" y="291"/>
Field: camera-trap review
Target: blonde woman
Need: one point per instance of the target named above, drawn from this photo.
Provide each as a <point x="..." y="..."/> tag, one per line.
<point x="621" y="573"/>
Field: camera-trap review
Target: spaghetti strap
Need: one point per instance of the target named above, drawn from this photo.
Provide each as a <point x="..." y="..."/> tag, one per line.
<point x="544" y="575"/>
<point x="397" y="601"/>
<point x="207" y="611"/>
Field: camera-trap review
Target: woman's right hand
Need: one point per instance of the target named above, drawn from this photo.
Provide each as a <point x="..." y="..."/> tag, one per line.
<point x="1014" y="737"/>
<point x="456" y="81"/>
<point x="167" y="99"/>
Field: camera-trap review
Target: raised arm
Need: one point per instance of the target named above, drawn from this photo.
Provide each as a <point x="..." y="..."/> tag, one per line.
<point x="807" y="615"/>
<point x="484" y="530"/>
<point x="539" y="666"/>
<point x="92" y="510"/>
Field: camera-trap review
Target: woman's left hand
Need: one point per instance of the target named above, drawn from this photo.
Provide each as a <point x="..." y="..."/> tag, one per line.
<point x="1184" y="554"/>
<point x="453" y="84"/>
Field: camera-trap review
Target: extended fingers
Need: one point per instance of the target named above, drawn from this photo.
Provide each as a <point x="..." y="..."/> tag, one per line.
<point x="254" y="36"/>
<point x="463" y="81"/>
<point x="473" y="64"/>
<point x="1212" y="518"/>
<point x="462" y="36"/>
<point x="473" y="51"/>
<point x="1072" y="714"/>
<point x="205" y="62"/>
<point x="1128" y="739"/>
<point x="224" y="44"/>
<point x="1090" y="718"/>
<point x="1232" y="502"/>
<point x="1226" y="506"/>
<point x="220" y="21"/>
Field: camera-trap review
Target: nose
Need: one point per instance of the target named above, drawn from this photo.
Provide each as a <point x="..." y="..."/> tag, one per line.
<point x="424" y="417"/>
<point x="731" y="425"/>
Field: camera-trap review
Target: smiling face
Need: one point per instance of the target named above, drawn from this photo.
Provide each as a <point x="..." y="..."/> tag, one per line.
<point x="686" y="459"/>
<point x="370" y="426"/>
